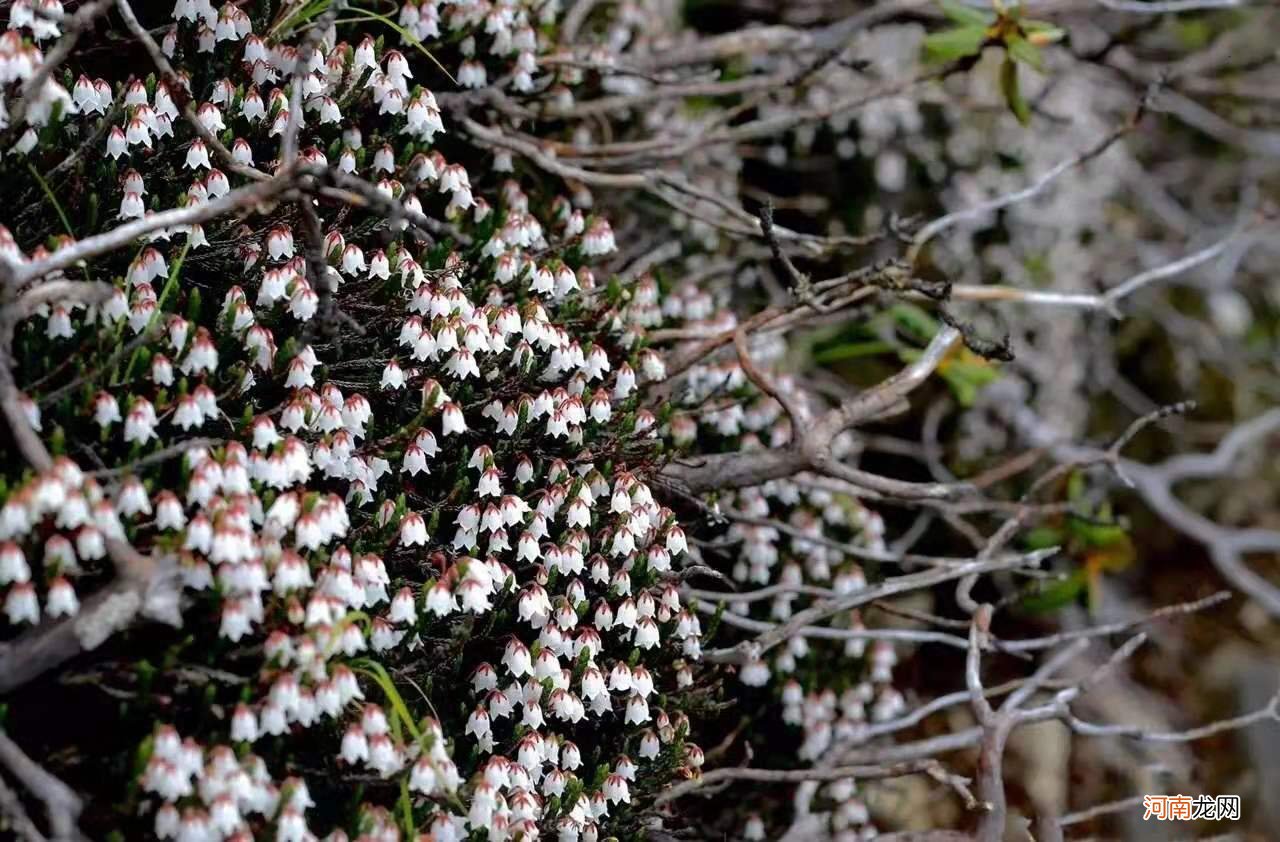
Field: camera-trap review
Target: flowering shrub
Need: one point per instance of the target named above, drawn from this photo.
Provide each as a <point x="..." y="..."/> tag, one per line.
<point x="405" y="453"/>
<point x="387" y="493"/>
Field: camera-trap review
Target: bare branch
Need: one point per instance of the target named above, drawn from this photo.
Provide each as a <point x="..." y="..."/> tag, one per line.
<point x="937" y="226"/>
<point x="54" y="642"/>
<point x="827" y="632"/>
<point x="811" y="448"/>
<point x="1094" y="812"/>
<point x="1165" y="7"/>
<point x="240" y="200"/>
<point x="793" y="409"/>
<point x="833" y="773"/>
<point x="16" y="815"/>
<point x="1106" y="301"/>
<point x="1049" y="641"/>
<point x="306" y="50"/>
<point x="899" y="584"/>
<point x="61" y="804"/>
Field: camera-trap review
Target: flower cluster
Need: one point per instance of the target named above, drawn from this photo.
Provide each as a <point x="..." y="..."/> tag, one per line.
<point x="392" y="415"/>
<point x="346" y="509"/>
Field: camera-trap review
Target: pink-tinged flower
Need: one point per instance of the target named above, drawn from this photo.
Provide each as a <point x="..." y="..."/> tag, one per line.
<point x="136" y="132"/>
<point x="637" y="712"/>
<point x="423" y="778"/>
<point x="484" y="678"/>
<point x="616" y="789"/>
<point x="85" y="96"/>
<point x="103" y="89"/>
<point x="676" y="543"/>
<point x="649" y="745"/>
<point x="225" y="29"/>
<point x="292" y="826"/>
<point x="392" y="376"/>
<point x="13" y="564"/>
<point x="423" y="120"/>
<point x="217" y="184"/>
<point x="188" y="414"/>
<point x="413" y="530"/>
<point x="131" y="206"/>
<point x="403" y="607"/>
<point x="140" y="423"/>
<point x="392" y="102"/>
<point x="21" y="605"/>
<point x="379" y="266"/>
<point x="397" y="66"/>
<point x="62" y="599"/>
<point x="353" y="262"/>
<point x="106" y="410"/>
<point x="490" y="484"/>
<point x="255" y="49"/>
<point x="384" y="160"/>
<point x="471" y="74"/>
<point x="244" y="725"/>
<point x="178" y="330"/>
<point x="646" y="635"/>
<point x="355" y="746"/>
<point x="264" y="431"/>
<point x="197" y="156"/>
<point x="599" y="239"/>
<point x="440" y="600"/>
<point x="236" y="622"/>
<point x="330" y="113"/>
<point x="364" y="57"/>
<point x="241" y="152"/>
<point x="754" y="673"/>
<point x="334" y="245"/>
<point x="280" y="242"/>
<point x="224" y="816"/>
<point x="168" y="822"/>
<point x="478" y="723"/>
<point x="252" y="108"/>
<point x="304" y="302"/>
<point x="625" y="382"/>
<point x="452" y="420"/>
<point x="203" y="356"/>
<point x="210" y="117"/>
<point x="516" y="659"/>
<point x="415" y="460"/>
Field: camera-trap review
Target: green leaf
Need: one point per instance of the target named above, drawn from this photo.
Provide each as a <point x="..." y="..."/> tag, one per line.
<point x="1043" y="537"/>
<point x="852" y="350"/>
<point x="964" y="372"/>
<point x="913" y="320"/>
<point x="1098" y="535"/>
<point x="53" y="200"/>
<point x="951" y="44"/>
<point x="1041" y="32"/>
<point x="1013" y="96"/>
<point x="399" y="711"/>
<point x="406" y="809"/>
<point x="964" y="15"/>
<point x="1075" y="486"/>
<point x="1056" y="595"/>
<point x="967" y="379"/>
<point x="1020" y="49"/>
